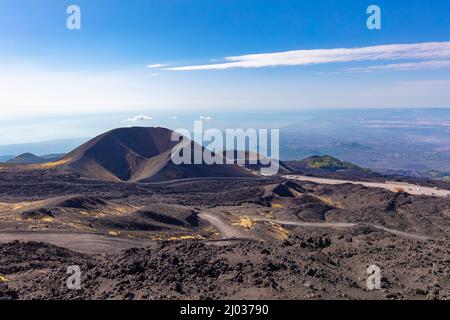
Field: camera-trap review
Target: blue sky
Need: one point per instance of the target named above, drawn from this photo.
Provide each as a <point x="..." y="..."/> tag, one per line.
<point x="48" y="71"/>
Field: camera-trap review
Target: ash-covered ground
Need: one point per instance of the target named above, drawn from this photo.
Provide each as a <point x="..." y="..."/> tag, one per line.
<point x="218" y="239"/>
<point x="310" y="267"/>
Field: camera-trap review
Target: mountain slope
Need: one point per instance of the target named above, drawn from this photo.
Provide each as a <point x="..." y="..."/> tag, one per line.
<point x="27" y="158"/>
<point x="139" y="154"/>
<point x="324" y="163"/>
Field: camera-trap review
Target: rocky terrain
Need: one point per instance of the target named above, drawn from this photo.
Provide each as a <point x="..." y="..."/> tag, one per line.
<point x="302" y="267"/>
<point x="278" y="240"/>
<point x="214" y="237"/>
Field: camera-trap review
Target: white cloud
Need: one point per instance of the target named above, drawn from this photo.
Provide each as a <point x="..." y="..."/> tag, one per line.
<point x="139" y="118"/>
<point x="156" y="66"/>
<point x="423" y="65"/>
<point x="428" y="50"/>
<point x="207" y="118"/>
<point x="174" y="117"/>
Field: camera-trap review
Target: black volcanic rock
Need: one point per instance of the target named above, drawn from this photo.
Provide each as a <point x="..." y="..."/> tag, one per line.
<point x="77" y="202"/>
<point x="169" y="214"/>
<point x="38" y="214"/>
<point x="282" y="190"/>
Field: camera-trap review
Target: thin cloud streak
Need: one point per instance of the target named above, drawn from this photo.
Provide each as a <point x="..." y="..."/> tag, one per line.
<point x="427" y="50"/>
<point x="424" y="65"/>
<point x="157" y="65"/>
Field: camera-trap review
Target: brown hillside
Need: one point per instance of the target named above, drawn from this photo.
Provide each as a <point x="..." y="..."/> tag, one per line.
<point x="138" y="154"/>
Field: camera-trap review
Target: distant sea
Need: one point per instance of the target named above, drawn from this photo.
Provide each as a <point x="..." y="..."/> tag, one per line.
<point x="416" y="141"/>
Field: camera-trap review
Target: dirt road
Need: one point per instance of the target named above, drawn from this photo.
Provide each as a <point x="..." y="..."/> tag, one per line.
<point x="388" y="185"/>
<point x="399" y="233"/>
<point x="230" y="232"/>
<point x="83" y="243"/>
<point x="224" y="228"/>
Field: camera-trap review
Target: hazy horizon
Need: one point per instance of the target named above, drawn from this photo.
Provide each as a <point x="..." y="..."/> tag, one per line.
<point x="171" y="58"/>
<point x="411" y="140"/>
<point x="91" y="125"/>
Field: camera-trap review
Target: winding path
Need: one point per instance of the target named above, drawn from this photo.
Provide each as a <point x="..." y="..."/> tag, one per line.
<point x="345" y="225"/>
<point x="79" y="242"/>
<point x="230" y="232"/>
<point x="388" y="185"/>
<point x="224" y="228"/>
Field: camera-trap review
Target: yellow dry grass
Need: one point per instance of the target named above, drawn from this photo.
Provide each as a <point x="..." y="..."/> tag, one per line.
<point x="196" y="237"/>
<point x="177" y="238"/>
<point x="243" y="221"/>
<point x="47" y="219"/>
<point x="50" y="165"/>
<point x="3" y="278"/>
<point x="280" y="232"/>
<point x="121" y="208"/>
<point x="39" y="166"/>
<point x="269" y="214"/>
<point x="277" y="206"/>
<point x="113" y="209"/>
<point x="5" y="206"/>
